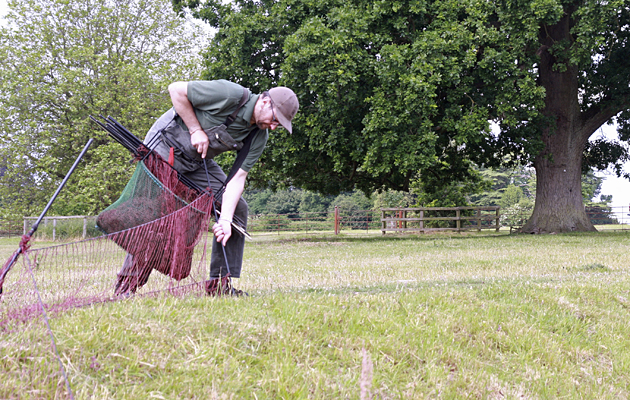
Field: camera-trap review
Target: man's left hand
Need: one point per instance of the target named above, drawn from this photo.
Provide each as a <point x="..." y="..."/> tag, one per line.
<point x="222" y="230"/>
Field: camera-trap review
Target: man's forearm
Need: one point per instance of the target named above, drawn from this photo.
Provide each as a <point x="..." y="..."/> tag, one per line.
<point x="232" y="194"/>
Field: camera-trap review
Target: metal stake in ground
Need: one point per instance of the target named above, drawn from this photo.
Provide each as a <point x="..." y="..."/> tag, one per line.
<point x="26" y="238"/>
<point x="216" y="217"/>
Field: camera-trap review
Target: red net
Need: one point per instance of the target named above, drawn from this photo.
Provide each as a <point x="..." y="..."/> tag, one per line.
<point x="164" y="228"/>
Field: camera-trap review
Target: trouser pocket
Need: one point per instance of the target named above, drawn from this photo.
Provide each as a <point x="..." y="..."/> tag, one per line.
<point x="186" y="157"/>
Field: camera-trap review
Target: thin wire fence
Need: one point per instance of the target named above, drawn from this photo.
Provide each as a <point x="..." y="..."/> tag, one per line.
<point x="10" y="228"/>
<point x="346" y="221"/>
<point x="316" y="222"/>
<point x="604" y="218"/>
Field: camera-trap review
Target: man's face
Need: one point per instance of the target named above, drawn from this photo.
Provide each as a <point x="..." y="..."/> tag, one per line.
<point x="267" y="117"/>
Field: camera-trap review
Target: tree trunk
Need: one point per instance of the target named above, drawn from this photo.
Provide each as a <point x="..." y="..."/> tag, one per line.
<point x="559" y="206"/>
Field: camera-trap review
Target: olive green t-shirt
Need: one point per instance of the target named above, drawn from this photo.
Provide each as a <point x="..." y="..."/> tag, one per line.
<point x="214" y="101"/>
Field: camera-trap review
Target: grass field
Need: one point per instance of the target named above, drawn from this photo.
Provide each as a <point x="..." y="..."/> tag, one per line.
<point x="396" y="317"/>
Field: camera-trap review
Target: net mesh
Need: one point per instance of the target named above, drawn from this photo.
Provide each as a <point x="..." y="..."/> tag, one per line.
<point x="158" y="222"/>
<point x="169" y="245"/>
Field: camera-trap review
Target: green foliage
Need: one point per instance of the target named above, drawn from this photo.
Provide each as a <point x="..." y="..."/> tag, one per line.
<point x="284" y="202"/>
<point x="516" y="215"/>
<point x="399" y="94"/>
<point x="257" y="200"/>
<point x="385" y="88"/>
<point x="511" y="195"/>
<point x="591" y="186"/>
<point x="518" y="186"/>
<point x="352" y="209"/>
<point x="269" y="222"/>
<point x="606" y="199"/>
<point x="312" y="202"/>
<point x="434" y="191"/>
<point x="351" y="202"/>
<point x="297" y="201"/>
<point x="270" y="202"/>
<point x="601" y="214"/>
<point x="67" y="229"/>
<point x="500" y="179"/>
<point x="63" y="60"/>
<point x="392" y="198"/>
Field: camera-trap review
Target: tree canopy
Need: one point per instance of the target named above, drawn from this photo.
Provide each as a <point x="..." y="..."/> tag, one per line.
<point x="63" y="60"/>
<point x="400" y="93"/>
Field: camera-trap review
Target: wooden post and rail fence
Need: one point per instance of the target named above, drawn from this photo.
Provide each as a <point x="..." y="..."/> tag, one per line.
<point x="425" y="219"/>
<point x="432" y="219"/>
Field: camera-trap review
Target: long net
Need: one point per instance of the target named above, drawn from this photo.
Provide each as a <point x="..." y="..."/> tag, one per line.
<point x="156" y="242"/>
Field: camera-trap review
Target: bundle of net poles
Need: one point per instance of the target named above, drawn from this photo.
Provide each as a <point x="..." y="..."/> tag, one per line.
<point x="141" y="151"/>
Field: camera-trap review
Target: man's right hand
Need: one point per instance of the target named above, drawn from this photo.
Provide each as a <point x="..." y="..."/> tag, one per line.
<point x="199" y="140"/>
<point x="222" y="230"/>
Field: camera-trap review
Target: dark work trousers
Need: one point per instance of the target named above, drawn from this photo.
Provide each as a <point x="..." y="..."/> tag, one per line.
<point x="196" y="172"/>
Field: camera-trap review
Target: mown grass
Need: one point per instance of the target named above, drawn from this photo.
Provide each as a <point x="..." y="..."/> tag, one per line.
<point x="439" y="316"/>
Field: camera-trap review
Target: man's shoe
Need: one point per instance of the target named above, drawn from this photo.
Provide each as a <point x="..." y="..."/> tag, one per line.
<point x="237" y="293"/>
<point x="222" y="287"/>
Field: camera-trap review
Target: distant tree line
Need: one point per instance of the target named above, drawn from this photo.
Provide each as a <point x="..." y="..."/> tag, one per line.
<point x="514" y="190"/>
<point x="294" y="201"/>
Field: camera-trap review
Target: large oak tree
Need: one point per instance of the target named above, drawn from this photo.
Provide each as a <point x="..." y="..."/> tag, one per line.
<point x="581" y="57"/>
<point x="397" y="93"/>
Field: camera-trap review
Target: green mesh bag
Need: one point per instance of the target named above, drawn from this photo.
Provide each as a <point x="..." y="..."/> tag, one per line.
<point x="143" y="200"/>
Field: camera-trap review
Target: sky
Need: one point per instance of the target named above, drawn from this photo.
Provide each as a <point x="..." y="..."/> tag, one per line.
<point x="619" y="188"/>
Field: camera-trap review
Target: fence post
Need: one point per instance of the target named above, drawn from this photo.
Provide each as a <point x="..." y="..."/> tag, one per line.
<point x="54" y="228"/>
<point x="336" y="220"/>
<point x="479" y="220"/>
<point x="24" y="226"/>
<point x="383" y="223"/>
<point x="498" y="217"/>
<point x="458" y="221"/>
<point x="84" y="227"/>
<point x="422" y="221"/>
<point x="405" y="217"/>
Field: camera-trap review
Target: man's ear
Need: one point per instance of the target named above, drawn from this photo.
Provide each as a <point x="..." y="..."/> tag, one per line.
<point x="264" y="102"/>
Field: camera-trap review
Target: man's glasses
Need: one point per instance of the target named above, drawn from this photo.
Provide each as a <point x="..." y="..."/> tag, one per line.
<point x="273" y="115"/>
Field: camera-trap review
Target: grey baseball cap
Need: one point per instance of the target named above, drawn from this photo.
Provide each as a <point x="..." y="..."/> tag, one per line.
<point x="286" y="105"/>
